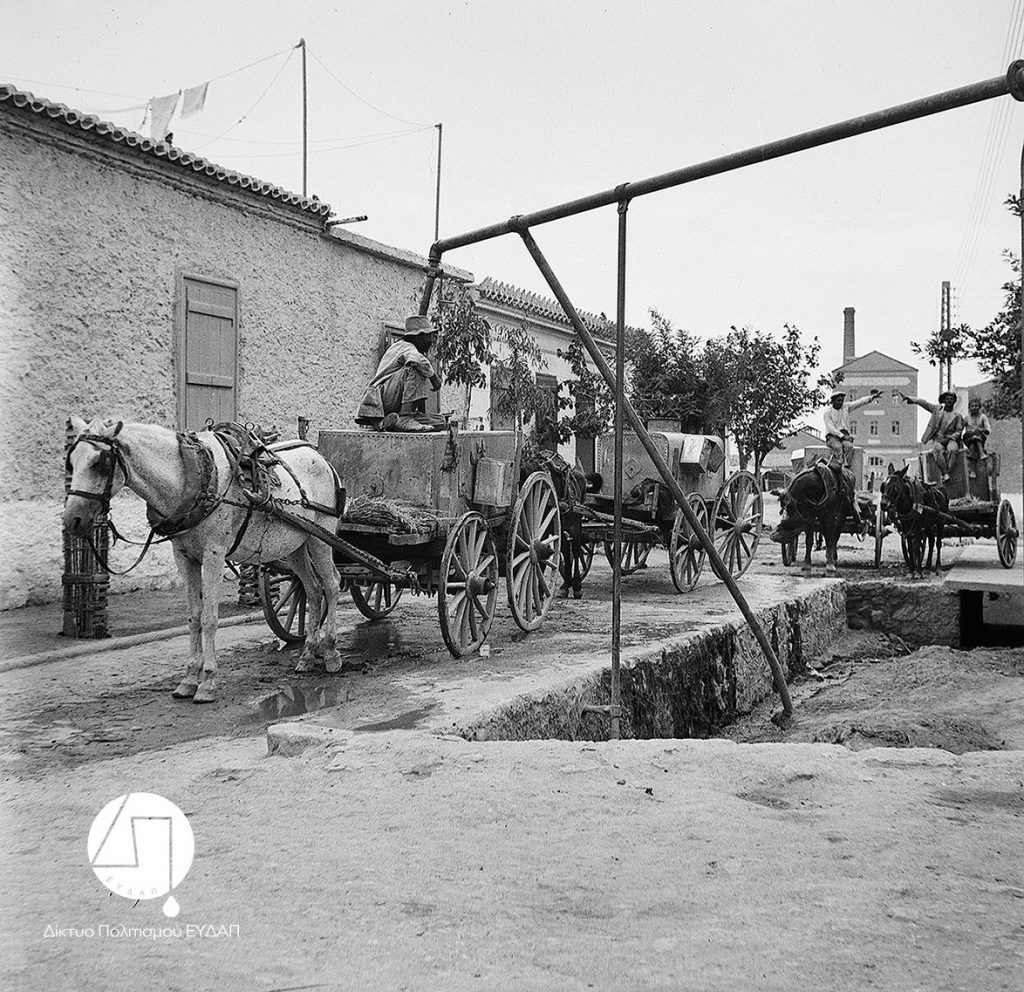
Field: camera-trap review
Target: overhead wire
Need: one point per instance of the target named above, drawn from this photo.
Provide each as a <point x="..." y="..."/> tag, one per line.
<point x="991" y="157"/>
<point x="372" y="106"/>
<point x="259" y="100"/>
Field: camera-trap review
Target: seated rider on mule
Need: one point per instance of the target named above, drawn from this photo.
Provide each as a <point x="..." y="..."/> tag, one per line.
<point x="839" y="439"/>
<point x="944" y="429"/>
<point x="396" y="398"/>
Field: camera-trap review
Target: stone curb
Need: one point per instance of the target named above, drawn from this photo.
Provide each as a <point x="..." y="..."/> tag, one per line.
<point x="293" y="737"/>
<point x="114" y="643"/>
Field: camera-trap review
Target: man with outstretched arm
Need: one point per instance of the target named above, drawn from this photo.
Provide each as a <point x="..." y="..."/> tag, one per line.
<point x="943" y="430"/>
<point x="839" y="439"/>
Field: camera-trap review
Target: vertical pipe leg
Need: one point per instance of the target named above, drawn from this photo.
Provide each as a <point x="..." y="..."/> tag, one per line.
<point x="620" y="331"/>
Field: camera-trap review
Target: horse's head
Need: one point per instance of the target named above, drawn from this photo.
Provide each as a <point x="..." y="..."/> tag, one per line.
<point x="893" y="487"/>
<point x="96" y="461"/>
<point x="792" y="521"/>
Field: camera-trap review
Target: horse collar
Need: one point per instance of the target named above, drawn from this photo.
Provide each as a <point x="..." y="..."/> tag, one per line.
<point x="201" y="478"/>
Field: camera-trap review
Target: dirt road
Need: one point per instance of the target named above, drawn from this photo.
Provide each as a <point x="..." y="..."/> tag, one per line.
<point x="401" y="859"/>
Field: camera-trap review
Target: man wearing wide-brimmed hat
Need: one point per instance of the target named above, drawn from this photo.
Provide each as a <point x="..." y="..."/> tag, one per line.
<point x="943" y="430"/>
<point x="838" y="435"/>
<point x="396" y="398"/>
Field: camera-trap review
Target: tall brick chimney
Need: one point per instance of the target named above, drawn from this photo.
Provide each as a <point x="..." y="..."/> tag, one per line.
<point x="849" y="348"/>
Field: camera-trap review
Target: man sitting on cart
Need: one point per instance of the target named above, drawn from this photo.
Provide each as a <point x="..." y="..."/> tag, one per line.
<point x="839" y="439"/>
<point x="943" y="430"/>
<point x="975" y="434"/>
<point x="396" y="398"/>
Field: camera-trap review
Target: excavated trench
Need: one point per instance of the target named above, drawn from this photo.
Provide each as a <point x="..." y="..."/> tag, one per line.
<point x="870" y="664"/>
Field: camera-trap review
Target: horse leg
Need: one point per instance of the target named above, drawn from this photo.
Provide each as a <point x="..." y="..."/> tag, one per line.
<point x="321" y="559"/>
<point x="931" y="550"/>
<point x="938" y="548"/>
<point x="808" y="544"/>
<point x="831" y="532"/>
<point x="213" y="573"/>
<point x="299" y="563"/>
<point x="191" y="573"/>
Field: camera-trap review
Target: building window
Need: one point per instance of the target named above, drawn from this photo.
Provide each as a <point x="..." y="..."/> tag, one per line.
<point x="873" y="428"/>
<point x="896" y="427"/>
<point x="853" y="428"/>
<point x="874" y="461"/>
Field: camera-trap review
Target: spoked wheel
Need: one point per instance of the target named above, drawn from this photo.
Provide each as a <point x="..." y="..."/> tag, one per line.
<point x="375" y="599"/>
<point x="1006" y="534"/>
<point x="532" y="558"/>
<point x="634" y="555"/>
<point x="284" y="603"/>
<point x="467" y="593"/>
<point x="574" y="562"/>
<point x="736" y="521"/>
<point x="879" y="533"/>
<point x="685" y="552"/>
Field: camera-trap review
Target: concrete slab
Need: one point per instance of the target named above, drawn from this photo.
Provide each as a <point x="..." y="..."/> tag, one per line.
<point x="688" y="674"/>
<point x="978" y="569"/>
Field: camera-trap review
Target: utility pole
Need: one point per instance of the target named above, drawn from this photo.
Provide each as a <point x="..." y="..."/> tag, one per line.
<point x="305" y="123"/>
<point x="946" y="336"/>
<point x="437" y="199"/>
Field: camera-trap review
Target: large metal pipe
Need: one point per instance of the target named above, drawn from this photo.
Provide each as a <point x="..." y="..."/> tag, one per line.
<point x="1011" y="83"/>
<point x="620" y="356"/>
<point x="662" y="466"/>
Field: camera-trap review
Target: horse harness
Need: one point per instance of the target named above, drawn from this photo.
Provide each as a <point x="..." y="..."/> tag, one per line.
<point x="253" y="466"/>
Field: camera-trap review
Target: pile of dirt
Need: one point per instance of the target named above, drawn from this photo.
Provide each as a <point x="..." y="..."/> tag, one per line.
<point x="870" y="692"/>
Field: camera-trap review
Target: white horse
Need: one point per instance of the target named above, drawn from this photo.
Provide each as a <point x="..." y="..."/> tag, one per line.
<point x="160" y="466"/>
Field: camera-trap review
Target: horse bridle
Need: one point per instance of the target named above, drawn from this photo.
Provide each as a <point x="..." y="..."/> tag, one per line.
<point x="115" y="460"/>
<point x="905" y="485"/>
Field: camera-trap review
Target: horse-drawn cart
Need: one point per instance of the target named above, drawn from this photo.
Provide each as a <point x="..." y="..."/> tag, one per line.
<point x="442" y="514"/>
<point x="976" y="508"/>
<point x="729" y="509"/>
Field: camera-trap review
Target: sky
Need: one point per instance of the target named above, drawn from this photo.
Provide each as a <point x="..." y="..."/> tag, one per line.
<point x="545" y="102"/>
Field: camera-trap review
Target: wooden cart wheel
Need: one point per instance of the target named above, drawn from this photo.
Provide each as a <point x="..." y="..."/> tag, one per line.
<point x="534" y="551"/>
<point x="375" y="599"/>
<point x="685" y="552"/>
<point x="634" y="554"/>
<point x="467" y="593"/>
<point x="879" y="532"/>
<point x="576" y="568"/>
<point x="284" y="603"/>
<point x="736" y="521"/>
<point x="1006" y="534"/>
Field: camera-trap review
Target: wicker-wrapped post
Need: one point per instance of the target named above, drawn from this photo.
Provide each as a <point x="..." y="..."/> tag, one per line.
<point x="85" y="583"/>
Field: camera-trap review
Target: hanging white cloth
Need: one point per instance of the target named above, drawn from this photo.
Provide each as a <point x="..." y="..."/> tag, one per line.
<point x="193" y="100"/>
<point x="161" y="110"/>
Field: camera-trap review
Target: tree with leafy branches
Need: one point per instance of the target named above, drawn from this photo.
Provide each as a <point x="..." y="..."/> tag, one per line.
<point x="668" y="380"/>
<point x="768" y="386"/>
<point x="514" y="371"/>
<point x="593" y="406"/>
<point x="463" y="348"/>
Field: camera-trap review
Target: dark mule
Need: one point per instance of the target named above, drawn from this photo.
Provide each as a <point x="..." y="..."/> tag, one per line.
<point x="916" y="508"/>
<point x="817" y="499"/>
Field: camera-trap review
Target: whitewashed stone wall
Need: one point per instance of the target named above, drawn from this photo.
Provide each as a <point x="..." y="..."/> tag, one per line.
<point x="92" y="244"/>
